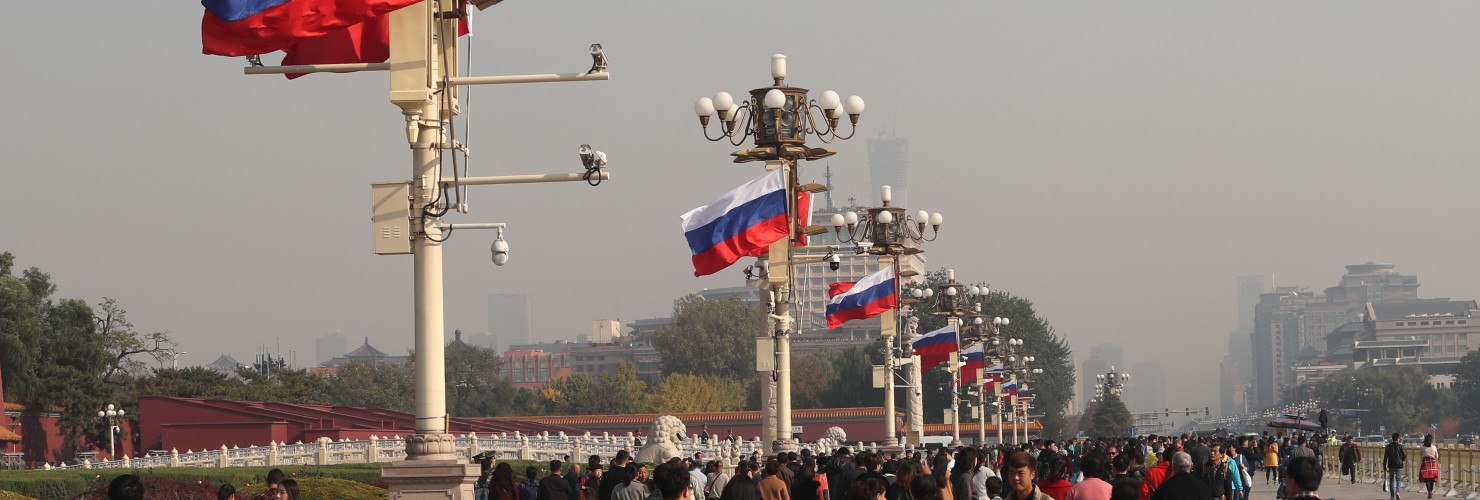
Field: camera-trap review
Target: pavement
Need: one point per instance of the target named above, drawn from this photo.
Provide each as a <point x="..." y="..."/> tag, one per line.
<point x="1341" y="489"/>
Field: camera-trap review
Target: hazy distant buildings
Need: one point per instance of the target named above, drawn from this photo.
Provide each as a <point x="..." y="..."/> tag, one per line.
<point x="1146" y="391"/>
<point x="1291" y="324"/>
<point x="327" y="347"/>
<point x="509" y="318"/>
<point x="1101" y="358"/>
<point x="889" y="165"/>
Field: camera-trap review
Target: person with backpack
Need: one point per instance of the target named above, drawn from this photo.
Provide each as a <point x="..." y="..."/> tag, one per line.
<point x="1393" y="457"/>
<point x="530" y="488"/>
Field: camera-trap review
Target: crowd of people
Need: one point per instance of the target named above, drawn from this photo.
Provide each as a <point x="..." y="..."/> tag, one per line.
<point x="1154" y="468"/>
<point x="279" y="487"/>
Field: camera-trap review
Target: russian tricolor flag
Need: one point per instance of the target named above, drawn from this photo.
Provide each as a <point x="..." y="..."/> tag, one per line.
<point x="975" y="358"/>
<point x="1009" y="389"/>
<point x="250" y="27"/>
<point x="935" y="347"/>
<point x="994" y="377"/>
<point x="862" y="299"/>
<point x="742" y="223"/>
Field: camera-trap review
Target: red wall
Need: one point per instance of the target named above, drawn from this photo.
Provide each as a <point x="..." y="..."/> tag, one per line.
<point x="41" y="440"/>
<point x="200" y="436"/>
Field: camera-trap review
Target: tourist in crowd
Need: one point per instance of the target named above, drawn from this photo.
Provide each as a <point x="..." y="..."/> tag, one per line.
<point x="1056" y="484"/>
<point x="1093" y="485"/>
<point x="1350" y="454"/>
<point x="1303" y="478"/>
<point x="226" y="492"/>
<point x="1182" y="485"/>
<point x="274" y="485"/>
<point x="715" y="480"/>
<point x="290" y="490"/>
<point x="871" y="488"/>
<point x="1021" y="471"/>
<point x="773" y="487"/>
<point x="1216" y="474"/>
<point x="979" y="475"/>
<point x="994" y="488"/>
<point x="904" y="476"/>
<point x="1271" y="463"/>
<point x="805" y="485"/>
<point x="673" y="481"/>
<point x="1428" y="469"/>
<point x="1393" y="457"/>
<point x="554" y="486"/>
<point x="742" y="486"/>
<point x="924" y="487"/>
<point x="632" y="487"/>
<point x="962" y="472"/>
<point x="616" y="474"/>
<point x="126" y="487"/>
<point x="501" y="483"/>
<point x="1238" y="473"/>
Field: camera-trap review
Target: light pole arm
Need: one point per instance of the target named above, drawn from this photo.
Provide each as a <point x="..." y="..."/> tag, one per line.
<point x="522" y="179"/>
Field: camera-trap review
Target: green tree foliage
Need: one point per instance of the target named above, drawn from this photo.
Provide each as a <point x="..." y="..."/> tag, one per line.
<point x="1109" y="418"/>
<point x="1402" y="399"/>
<point x="190" y="382"/>
<point x="357" y="383"/>
<point x="1467" y="391"/>
<point x="679" y="393"/>
<point x="710" y="337"/>
<point x="21" y="328"/>
<point x="474" y="388"/>
<point x="283" y="384"/>
<point x="608" y="393"/>
<point x="1052" y="389"/>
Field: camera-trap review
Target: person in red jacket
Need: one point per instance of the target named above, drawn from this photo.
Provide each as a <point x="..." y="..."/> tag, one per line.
<point x="1055" y="485"/>
<point x="1157" y="474"/>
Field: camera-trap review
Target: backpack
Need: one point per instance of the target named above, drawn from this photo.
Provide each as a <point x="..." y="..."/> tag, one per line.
<point x="529" y="490"/>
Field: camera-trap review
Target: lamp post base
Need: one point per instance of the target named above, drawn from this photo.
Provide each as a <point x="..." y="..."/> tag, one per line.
<point x="431" y="447"/>
<point x="783" y="445"/>
<point x="430" y="479"/>
<point x="891" y="445"/>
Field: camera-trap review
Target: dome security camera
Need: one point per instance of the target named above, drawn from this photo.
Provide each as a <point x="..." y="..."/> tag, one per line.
<point x="500" y="251"/>
<point x="833" y="262"/>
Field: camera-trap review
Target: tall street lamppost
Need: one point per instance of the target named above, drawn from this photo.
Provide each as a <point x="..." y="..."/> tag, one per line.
<point x="1111" y="382"/>
<point x="780" y="118"/>
<point x="110" y="415"/>
<point x="987" y="331"/>
<point x="950" y="299"/>
<point x="889" y="233"/>
<point x="1017" y="368"/>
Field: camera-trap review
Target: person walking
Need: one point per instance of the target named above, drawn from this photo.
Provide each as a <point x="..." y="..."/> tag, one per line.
<point x="1350" y="456"/>
<point x="1393" y="457"/>
<point x="1428" y="470"/>
<point x="1271" y="462"/>
<point x="1182" y="485"/>
<point x="553" y="486"/>
<point x="1303" y="478"/>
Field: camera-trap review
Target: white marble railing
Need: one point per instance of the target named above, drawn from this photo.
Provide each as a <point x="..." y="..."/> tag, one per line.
<point x="541" y="447"/>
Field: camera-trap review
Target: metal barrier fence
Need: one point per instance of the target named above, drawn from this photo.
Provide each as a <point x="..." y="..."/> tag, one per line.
<point x="1459" y="468"/>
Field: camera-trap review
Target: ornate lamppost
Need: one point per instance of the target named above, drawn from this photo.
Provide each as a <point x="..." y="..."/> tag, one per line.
<point x="1017" y="368"/>
<point x="889" y="233"/>
<point x="950" y="299"/>
<point x="1110" y="383"/>
<point x="111" y="415"/>
<point x="779" y="118"/>
<point x="987" y="331"/>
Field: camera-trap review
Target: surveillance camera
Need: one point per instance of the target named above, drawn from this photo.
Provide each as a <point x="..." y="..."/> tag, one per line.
<point x="500" y="251"/>
<point x="588" y="156"/>
<point x="833" y="262"/>
<point x="600" y="159"/>
<point x="917" y="392"/>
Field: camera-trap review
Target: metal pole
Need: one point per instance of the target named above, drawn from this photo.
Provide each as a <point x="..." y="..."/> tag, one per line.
<point x="780" y="277"/>
<point x="956" y="384"/>
<point x="430" y="373"/>
<point x="997" y="410"/>
<point x="981" y="417"/>
<point x="889" y="324"/>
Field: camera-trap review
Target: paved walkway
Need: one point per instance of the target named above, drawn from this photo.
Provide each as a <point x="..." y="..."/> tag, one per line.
<point x="1332" y="488"/>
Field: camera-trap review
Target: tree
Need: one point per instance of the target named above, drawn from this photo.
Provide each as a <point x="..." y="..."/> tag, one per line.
<point x="283" y="385"/>
<point x="621" y="391"/>
<point x="21" y="328"/>
<point x="1051" y="390"/>
<point x="1467" y="390"/>
<point x="372" y="385"/>
<point x="189" y="382"/>
<point x="474" y="387"/>
<point x="710" y="337"/>
<point x="1109" y="417"/>
<point x="123" y="343"/>
<point x="680" y="393"/>
<point x="573" y="395"/>
<point x="1402" y="399"/>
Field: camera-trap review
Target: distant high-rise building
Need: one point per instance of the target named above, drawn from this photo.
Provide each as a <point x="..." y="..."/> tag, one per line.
<point x="1101" y="358"/>
<point x="889" y="165"/>
<point x="1231" y="388"/>
<point x="1291" y="324"/>
<point x="509" y="317"/>
<point x="328" y="347"/>
<point x="1146" y="391"/>
<point x="1250" y="287"/>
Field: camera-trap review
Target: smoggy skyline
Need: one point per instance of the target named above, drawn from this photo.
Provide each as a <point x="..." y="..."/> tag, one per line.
<point x="1120" y="165"/>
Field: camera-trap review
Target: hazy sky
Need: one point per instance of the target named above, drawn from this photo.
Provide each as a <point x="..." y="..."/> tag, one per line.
<point x="1118" y="163"/>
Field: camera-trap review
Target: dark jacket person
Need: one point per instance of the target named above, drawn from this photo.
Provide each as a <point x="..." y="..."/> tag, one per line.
<point x="555" y="487"/>
<point x="1182" y="485"/>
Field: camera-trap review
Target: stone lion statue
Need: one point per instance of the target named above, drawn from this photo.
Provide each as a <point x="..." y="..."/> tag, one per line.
<point x="662" y="441"/>
<point x="833" y="438"/>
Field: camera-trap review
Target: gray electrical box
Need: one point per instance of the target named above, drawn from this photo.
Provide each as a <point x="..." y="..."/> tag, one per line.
<point x="390" y="217"/>
<point x="765" y="354"/>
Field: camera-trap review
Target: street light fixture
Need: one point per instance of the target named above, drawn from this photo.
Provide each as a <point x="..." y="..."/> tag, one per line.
<point x="110" y="415"/>
<point x="891" y="234"/>
<point x="780" y="118"/>
<point x="950" y="299"/>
